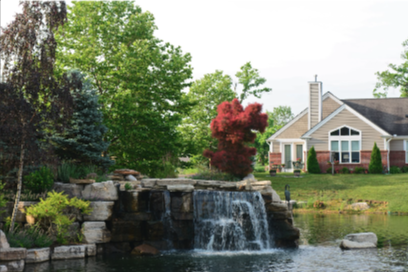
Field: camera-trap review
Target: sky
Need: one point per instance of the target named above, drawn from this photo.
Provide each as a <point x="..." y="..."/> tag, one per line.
<point x="344" y="42"/>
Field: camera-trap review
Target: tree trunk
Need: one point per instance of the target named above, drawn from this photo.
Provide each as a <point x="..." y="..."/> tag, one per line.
<point x="19" y="185"/>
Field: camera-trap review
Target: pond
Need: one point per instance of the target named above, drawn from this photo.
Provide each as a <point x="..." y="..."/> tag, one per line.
<point x="319" y="251"/>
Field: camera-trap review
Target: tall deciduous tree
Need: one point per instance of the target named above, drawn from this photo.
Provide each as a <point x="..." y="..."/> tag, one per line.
<point x="276" y="119"/>
<point x="234" y="127"/>
<point x="206" y="93"/>
<point x="33" y="100"/>
<point x="396" y="78"/>
<point x="251" y="82"/>
<point x="138" y="77"/>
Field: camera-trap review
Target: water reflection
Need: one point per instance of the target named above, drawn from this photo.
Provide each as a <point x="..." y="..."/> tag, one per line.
<point x="319" y="251"/>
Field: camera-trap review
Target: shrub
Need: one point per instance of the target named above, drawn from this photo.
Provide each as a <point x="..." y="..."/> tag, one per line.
<point x="359" y="170"/>
<point x="215" y="175"/>
<point x="395" y="170"/>
<point x="345" y="170"/>
<point x="56" y="213"/>
<point x="3" y="200"/>
<point x="375" y="166"/>
<point x="32" y="237"/>
<point x="404" y="169"/>
<point x="64" y="171"/>
<point x="312" y="164"/>
<point x="39" y="181"/>
<point x="329" y="170"/>
<point x="128" y="187"/>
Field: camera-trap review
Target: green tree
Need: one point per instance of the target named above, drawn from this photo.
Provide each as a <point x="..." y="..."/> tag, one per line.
<point x="276" y="119"/>
<point x="138" y="77"/>
<point x="396" y="78"/>
<point x="312" y="163"/>
<point x="82" y="142"/>
<point x="206" y="93"/>
<point x="375" y="166"/>
<point x="250" y="80"/>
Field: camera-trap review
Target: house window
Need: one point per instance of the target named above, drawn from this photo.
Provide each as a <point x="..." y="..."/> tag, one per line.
<point x="345" y="145"/>
<point x="299" y="152"/>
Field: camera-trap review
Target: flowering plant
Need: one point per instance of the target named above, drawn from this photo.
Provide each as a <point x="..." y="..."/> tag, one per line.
<point x="298" y="159"/>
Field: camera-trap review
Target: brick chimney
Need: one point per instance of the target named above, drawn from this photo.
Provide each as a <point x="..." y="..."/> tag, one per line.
<point x="315" y="102"/>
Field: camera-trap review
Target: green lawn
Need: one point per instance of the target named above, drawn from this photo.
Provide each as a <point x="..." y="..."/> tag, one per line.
<point x="340" y="190"/>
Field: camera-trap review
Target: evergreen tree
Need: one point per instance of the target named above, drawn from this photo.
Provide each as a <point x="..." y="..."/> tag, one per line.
<point x="83" y="141"/>
<point x="312" y="164"/>
<point x="375" y="166"/>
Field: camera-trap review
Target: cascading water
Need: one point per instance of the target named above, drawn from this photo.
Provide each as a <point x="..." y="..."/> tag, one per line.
<point x="230" y="221"/>
<point x="166" y="219"/>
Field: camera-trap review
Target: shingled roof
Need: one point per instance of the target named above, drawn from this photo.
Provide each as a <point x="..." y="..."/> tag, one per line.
<point x="387" y="113"/>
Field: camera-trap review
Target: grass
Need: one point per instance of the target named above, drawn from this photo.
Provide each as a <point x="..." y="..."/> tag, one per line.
<point x="339" y="191"/>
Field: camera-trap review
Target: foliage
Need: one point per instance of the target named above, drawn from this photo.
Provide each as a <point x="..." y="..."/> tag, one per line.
<point x="395" y="170"/>
<point x="78" y="171"/>
<point x="3" y="200"/>
<point x="329" y="170"/>
<point x="139" y="79"/>
<point x="64" y="171"/>
<point x="31" y="237"/>
<point x="250" y="80"/>
<point x="359" y="170"/>
<point x="128" y="187"/>
<point x="206" y="94"/>
<point x="404" y="169"/>
<point x="82" y="142"/>
<point x="345" y="170"/>
<point x="276" y="119"/>
<point x="233" y="127"/>
<point x="312" y="164"/>
<point x="40" y="180"/>
<point x="35" y="101"/>
<point x="56" y="213"/>
<point x="215" y="175"/>
<point x="26" y="195"/>
<point x="375" y="166"/>
<point x="396" y="78"/>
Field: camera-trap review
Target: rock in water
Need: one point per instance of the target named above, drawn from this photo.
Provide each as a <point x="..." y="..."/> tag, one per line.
<point x="145" y="250"/>
<point x="359" y="241"/>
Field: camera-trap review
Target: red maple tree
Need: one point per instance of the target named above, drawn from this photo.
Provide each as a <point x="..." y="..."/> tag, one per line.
<point x="234" y="127"/>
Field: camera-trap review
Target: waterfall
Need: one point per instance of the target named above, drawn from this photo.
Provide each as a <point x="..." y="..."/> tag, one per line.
<point x="167" y="221"/>
<point x="230" y="221"/>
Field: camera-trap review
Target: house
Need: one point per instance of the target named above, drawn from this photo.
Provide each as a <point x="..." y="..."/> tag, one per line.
<point x="343" y="130"/>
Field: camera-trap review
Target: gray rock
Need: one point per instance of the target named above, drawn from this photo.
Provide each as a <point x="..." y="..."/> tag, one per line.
<point x="250" y="177"/>
<point x="22" y="207"/>
<point x="90" y="249"/>
<point x="13" y="265"/>
<point x="148" y="183"/>
<point x="68" y="252"/>
<point x="72" y="190"/>
<point x="130" y="201"/>
<point x="3" y="240"/>
<point x="38" y="255"/>
<point x="100" y="191"/>
<point x="276" y="207"/>
<point x="130" y="178"/>
<point x="275" y="197"/>
<point x="360" y="206"/>
<point x="101" y="211"/>
<point x="359" y="240"/>
<point x="209" y="183"/>
<point x="95" y="232"/>
<point x="163" y="183"/>
<point x="180" y="188"/>
<point x="13" y="254"/>
<point x="3" y="268"/>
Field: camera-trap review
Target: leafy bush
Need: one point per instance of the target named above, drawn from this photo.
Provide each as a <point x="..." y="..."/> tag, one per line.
<point x="404" y="169"/>
<point x="56" y="213"/>
<point x="359" y="170"/>
<point x="32" y="237"/>
<point x="40" y="180"/>
<point x="375" y="166"/>
<point x="345" y="170"/>
<point x="128" y="187"/>
<point x="3" y="200"/>
<point x="168" y="170"/>
<point x="76" y="171"/>
<point x="312" y="164"/>
<point x="329" y="170"/>
<point x="215" y="175"/>
<point x="259" y="169"/>
<point x="395" y="170"/>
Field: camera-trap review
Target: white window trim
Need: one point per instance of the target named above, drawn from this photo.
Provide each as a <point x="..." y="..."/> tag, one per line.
<point x="405" y="148"/>
<point x="349" y="138"/>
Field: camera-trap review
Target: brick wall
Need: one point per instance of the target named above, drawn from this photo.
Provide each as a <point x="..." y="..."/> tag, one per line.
<point x="397" y="158"/>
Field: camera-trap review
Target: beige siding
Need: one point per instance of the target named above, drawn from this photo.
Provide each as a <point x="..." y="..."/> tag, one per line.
<point x="369" y="135"/>
<point x="296" y="130"/>
<point x="397" y="145"/>
<point x="329" y="105"/>
<point x="276" y="147"/>
<point x="314" y="104"/>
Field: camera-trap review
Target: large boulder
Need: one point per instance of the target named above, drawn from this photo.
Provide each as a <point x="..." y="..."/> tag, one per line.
<point x="100" y="191"/>
<point x="68" y="252"/>
<point x="3" y="241"/>
<point x="361" y="206"/>
<point x="12" y="254"/>
<point x="163" y="183"/>
<point x="13" y="265"/>
<point x="90" y="249"/>
<point x="145" y="250"/>
<point x="101" y="211"/>
<point x="72" y="190"/>
<point x="149" y="183"/>
<point x="130" y="178"/>
<point x="38" y="255"/>
<point x="126" y="172"/>
<point x="3" y="268"/>
<point x="95" y="232"/>
<point x="359" y="241"/>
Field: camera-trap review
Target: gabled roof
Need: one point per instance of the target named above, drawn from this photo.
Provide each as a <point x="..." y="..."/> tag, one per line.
<point x="301" y="114"/>
<point x="386" y="113"/>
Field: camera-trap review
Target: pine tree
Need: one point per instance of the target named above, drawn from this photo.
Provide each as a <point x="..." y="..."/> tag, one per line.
<point x="312" y="163"/>
<point x="375" y="166"/>
<point x="83" y="141"/>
